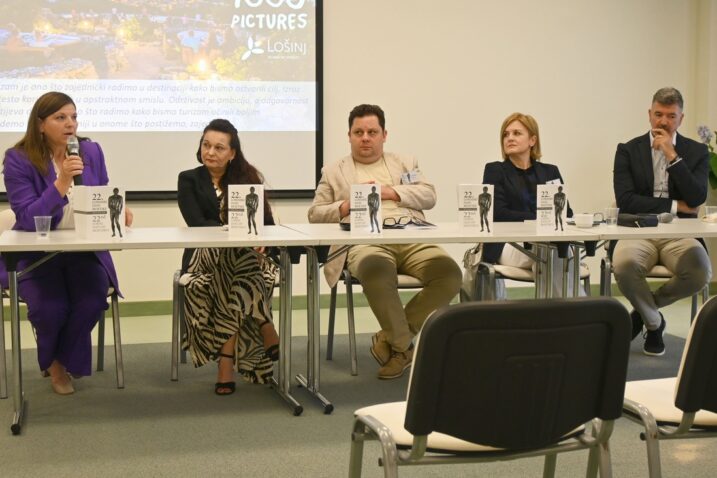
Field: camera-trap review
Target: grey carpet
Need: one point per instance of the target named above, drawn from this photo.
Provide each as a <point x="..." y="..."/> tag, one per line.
<point x="155" y="427"/>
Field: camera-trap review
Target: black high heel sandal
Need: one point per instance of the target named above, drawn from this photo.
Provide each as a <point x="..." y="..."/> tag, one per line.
<point x="272" y="351"/>
<point x="231" y="386"/>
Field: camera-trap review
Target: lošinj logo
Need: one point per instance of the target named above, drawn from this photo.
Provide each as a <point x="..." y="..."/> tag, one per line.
<point x="252" y="48"/>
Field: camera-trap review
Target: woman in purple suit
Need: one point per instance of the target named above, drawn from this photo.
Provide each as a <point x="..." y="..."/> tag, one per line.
<point x="66" y="295"/>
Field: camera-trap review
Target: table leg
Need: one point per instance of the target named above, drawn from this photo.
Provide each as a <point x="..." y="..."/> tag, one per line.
<point x="283" y="386"/>
<point x="576" y="270"/>
<point x="312" y="379"/>
<point x="18" y="395"/>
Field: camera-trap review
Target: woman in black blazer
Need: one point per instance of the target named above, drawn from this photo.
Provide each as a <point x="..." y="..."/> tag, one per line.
<point x="227" y="305"/>
<point x="515" y="180"/>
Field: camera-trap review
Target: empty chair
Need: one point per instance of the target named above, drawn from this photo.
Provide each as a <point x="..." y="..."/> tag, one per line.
<point x="684" y="406"/>
<point x="404" y="282"/>
<point x="487" y="275"/>
<point x="493" y="381"/>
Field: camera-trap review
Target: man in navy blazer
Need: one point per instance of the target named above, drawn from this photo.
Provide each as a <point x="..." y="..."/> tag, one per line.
<point x="660" y="172"/>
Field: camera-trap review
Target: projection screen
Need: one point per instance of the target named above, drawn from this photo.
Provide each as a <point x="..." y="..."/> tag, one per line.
<point x="148" y="75"/>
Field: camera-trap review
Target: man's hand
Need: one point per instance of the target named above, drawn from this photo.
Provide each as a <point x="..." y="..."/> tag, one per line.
<point x="389" y="194"/>
<point x="684" y="208"/>
<point x="663" y="142"/>
<point x="344" y="209"/>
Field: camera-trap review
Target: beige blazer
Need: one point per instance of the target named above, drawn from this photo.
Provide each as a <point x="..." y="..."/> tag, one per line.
<point x="335" y="188"/>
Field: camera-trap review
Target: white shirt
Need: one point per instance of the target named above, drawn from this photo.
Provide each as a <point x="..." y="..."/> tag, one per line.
<point x="661" y="176"/>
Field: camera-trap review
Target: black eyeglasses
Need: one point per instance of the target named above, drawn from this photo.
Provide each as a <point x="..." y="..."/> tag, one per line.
<point x="397" y="222"/>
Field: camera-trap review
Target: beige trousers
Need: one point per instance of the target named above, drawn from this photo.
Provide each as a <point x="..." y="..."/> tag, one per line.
<point x="687" y="259"/>
<point x="377" y="268"/>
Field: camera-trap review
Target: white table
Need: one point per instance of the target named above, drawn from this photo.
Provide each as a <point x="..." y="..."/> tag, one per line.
<point x="677" y="229"/>
<point x="13" y="242"/>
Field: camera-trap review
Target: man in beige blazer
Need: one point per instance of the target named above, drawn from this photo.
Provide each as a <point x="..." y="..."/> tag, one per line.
<point x="404" y="195"/>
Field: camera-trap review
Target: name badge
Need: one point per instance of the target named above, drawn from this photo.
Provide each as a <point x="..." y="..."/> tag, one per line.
<point x="410" y="177"/>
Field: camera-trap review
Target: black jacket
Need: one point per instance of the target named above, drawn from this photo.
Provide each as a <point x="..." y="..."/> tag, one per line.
<point x="198" y="203"/>
<point x="508" y="197"/>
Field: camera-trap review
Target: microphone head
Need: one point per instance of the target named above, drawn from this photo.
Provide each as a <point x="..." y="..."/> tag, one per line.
<point x="664" y="217"/>
<point x="73" y="146"/>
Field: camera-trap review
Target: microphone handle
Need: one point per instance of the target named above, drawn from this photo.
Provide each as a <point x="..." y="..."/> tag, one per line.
<point x="77" y="180"/>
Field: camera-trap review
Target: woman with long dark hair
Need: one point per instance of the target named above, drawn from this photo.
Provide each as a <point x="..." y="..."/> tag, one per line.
<point x="65" y="295"/>
<point x="228" y="296"/>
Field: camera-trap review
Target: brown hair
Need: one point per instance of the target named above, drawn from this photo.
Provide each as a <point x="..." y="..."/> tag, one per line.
<point x="531" y="125"/>
<point x="33" y="143"/>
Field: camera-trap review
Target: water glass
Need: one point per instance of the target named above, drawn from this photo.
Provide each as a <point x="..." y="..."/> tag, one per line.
<point x="42" y="225"/>
<point x="611" y="216"/>
<point x="710" y="215"/>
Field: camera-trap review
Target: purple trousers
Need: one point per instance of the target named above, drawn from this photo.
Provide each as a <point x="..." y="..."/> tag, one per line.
<point x="65" y="297"/>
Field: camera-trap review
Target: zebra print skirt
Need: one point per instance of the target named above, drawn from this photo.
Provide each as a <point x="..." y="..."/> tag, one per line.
<point x="229" y="292"/>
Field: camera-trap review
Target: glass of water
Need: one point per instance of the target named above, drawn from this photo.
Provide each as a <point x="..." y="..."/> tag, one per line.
<point x="611" y="216"/>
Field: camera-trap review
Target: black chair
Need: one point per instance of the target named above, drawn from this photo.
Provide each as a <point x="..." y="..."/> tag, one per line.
<point x="684" y="406"/>
<point x="404" y="282"/>
<point x="493" y="381"/>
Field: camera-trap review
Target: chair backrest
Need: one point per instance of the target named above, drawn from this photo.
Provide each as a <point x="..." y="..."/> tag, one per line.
<point x="7" y="220"/>
<point x="519" y="374"/>
<point x="697" y="380"/>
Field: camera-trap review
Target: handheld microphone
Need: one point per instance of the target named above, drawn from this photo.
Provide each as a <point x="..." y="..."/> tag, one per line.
<point x="73" y="149"/>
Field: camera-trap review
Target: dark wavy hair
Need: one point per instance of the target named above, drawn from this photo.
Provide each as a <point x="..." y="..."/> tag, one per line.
<point x="239" y="170"/>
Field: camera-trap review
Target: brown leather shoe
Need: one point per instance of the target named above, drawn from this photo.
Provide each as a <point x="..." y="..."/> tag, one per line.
<point x="380" y="348"/>
<point x="396" y="365"/>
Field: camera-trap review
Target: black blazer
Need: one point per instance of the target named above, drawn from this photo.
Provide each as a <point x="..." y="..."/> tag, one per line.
<point x="199" y="205"/>
<point x="634" y="181"/>
<point x="508" y="198"/>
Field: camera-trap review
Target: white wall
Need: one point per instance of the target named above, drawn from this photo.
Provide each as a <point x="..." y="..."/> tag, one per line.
<point x="447" y="72"/>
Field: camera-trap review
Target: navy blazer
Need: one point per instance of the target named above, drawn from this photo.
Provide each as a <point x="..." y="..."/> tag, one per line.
<point x="508" y="202"/>
<point x="634" y="181"/>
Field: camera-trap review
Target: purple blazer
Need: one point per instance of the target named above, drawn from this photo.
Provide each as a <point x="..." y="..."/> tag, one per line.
<point x="30" y="194"/>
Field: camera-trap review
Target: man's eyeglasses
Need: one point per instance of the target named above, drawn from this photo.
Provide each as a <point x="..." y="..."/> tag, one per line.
<point x="403" y="221"/>
<point x="397" y="222"/>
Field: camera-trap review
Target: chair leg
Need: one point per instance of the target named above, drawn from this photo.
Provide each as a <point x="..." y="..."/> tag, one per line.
<point x="119" y="364"/>
<point x="586" y="286"/>
<point x="174" y="374"/>
<point x="332" y="321"/>
<point x="605" y="461"/>
<point x="101" y="342"/>
<point x="549" y="465"/>
<point x="605" y="277"/>
<point x="3" y="365"/>
<point x="352" y="326"/>
<point x="356" y="457"/>
<point x="182" y="326"/>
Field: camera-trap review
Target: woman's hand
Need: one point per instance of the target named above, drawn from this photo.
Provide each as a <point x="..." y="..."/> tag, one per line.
<point x="69" y="168"/>
<point x="260" y="250"/>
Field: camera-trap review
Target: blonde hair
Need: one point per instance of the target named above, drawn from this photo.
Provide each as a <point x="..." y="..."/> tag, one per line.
<point x="531" y="125"/>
